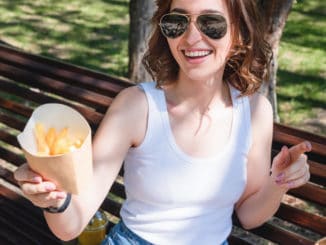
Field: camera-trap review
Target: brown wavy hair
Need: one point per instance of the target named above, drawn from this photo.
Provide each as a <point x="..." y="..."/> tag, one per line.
<point x="248" y="59"/>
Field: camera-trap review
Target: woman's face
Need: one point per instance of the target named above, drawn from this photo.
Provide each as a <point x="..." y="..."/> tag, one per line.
<point x="200" y="57"/>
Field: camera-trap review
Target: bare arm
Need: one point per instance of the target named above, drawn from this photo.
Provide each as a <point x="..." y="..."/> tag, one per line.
<point x="264" y="192"/>
<point x="123" y="126"/>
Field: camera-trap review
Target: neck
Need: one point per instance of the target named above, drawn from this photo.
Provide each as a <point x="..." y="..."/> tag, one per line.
<point x="199" y="95"/>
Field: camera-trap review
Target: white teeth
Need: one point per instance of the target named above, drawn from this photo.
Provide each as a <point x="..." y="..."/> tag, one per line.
<point x="196" y="53"/>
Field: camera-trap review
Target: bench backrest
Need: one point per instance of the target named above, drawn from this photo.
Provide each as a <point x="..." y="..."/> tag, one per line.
<point x="27" y="81"/>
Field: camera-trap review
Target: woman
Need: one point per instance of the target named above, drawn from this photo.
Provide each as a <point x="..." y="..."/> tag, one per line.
<point x="196" y="143"/>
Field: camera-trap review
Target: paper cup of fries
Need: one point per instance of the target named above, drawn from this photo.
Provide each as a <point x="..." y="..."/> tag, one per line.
<point x="56" y="142"/>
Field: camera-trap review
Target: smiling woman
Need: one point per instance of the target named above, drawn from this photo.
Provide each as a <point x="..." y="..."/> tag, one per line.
<point x="195" y="143"/>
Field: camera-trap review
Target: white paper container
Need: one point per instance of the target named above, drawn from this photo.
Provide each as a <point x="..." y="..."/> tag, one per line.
<point x="71" y="171"/>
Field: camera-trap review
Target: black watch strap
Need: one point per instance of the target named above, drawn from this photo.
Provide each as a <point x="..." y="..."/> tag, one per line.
<point x="60" y="209"/>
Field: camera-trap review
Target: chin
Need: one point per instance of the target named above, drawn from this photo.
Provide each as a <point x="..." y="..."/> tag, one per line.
<point x="201" y="75"/>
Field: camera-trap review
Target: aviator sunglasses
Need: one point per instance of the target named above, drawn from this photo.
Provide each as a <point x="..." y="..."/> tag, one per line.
<point x="212" y="25"/>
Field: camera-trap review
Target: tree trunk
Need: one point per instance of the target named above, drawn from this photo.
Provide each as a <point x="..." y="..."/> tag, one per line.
<point x="277" y="12"/>
<point x="140" y="13"/>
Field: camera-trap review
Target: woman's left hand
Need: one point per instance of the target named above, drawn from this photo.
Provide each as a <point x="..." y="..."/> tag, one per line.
<point x="290" y="168"/>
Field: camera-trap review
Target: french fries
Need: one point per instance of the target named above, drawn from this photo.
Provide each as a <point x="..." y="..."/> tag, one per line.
<point x="51" y="142"/>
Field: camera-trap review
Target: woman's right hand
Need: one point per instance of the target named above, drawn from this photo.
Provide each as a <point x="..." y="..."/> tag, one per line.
<point x="40" y="192"/>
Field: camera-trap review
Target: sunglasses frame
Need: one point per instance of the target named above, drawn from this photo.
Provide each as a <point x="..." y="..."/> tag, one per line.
<point x="198" y="25"/>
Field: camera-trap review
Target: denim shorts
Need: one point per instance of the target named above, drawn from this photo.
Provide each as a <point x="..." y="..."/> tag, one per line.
<point x="120" y="234"/>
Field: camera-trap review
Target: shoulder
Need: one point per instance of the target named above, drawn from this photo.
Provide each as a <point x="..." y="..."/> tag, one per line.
<point x="261" y="111"/>
<point x="260" y="104"/>
<point x="261" y="123"/>
<point x="130" y="102"/>
<point x="129" y="111"/>
<point x="134" y="96"/>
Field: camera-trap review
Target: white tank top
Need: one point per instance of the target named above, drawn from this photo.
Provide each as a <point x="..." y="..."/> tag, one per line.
<point x="174" y="198"/>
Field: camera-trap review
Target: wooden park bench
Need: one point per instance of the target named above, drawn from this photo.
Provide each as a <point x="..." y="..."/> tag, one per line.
<point x="27" y="81"/>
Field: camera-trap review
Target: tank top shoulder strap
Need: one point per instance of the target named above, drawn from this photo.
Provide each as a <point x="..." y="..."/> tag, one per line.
<point x="156" y="105"/>
<point x="241" y="106"/>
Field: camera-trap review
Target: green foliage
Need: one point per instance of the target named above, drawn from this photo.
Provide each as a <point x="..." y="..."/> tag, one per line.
<point x="302" y="65"/>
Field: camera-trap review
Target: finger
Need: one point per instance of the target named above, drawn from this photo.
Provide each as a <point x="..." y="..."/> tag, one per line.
<point x="300" y="165"/>
<point x="297" y="150"/>
<point x="295" y="183"/>
<point x="44" y="200"/>
<point x="25" y="174"/>
<point x="34" y="189"/>
<point x="282" y="159"/>
<point x="293" y="172"/>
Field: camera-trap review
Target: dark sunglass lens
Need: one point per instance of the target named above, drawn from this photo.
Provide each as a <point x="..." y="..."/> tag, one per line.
<point x="212" y="25"/>
<point x="173" y="25"/>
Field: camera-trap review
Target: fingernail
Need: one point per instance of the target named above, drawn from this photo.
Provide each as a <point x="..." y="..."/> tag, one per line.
<point x="50" y="187"/>
<point x="308" y="145"/>
<point x="284" y="147"/>
<point x="61" y="195"/>
<point x="37" y="179"/>
<point x="279" y="177"/>
<point x="290" y="184"/>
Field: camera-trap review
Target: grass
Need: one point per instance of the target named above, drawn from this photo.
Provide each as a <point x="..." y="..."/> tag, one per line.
<point x="95" y="34"/>
<point x="87" y="33"/>
<point x="302" y="67"/>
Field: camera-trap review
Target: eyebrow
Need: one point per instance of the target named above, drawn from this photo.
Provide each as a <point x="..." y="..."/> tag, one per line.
<point x="183" y="11"/>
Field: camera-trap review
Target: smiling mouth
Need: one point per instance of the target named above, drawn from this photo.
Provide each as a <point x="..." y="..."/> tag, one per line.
<point x="196" y="54"/>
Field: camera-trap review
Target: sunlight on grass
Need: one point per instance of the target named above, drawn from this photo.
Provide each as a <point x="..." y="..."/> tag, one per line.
<point x="302" y="60"/>
<point x="87" y="33"/>
<point x="302" y="67"/>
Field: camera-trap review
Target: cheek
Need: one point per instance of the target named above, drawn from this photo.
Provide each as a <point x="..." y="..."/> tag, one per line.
<point x="229" y="39"/>
<point x="173" y="48"/>
<point x="225" y="46"/>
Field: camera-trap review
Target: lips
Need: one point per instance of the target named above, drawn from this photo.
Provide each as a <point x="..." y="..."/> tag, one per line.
<point x="197" y="54"/>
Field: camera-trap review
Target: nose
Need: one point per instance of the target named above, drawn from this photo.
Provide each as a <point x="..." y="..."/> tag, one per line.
<point x="192" y="35"/>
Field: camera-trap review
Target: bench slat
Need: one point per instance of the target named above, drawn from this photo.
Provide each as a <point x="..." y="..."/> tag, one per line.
<point x="318" y="174"/>
<point x="91" y="84"/>
<point x="318" y="152"/>
<point x="27" y="221"/>
<point x="299" y="217"/>
<point x="237" y="241"/>
<point x="8" y="138"/>
<point x="11" y="157"/>
<point x="92" y="116"/>
<point x="16" y="236"/>
<point x="310" y="192"/>
<point x="281" y="130"/>
<point x="7" y="175"/>
<point x="281" y="236"/>
<point x="12" y="122"/>
<point x="5" y="239"/>
<point x="111" y="206"/>
<point x="99" y="102"/>
<point x="15" y="107"/>
<point x="118" y="189"/>
<point x="93" y="80"/>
